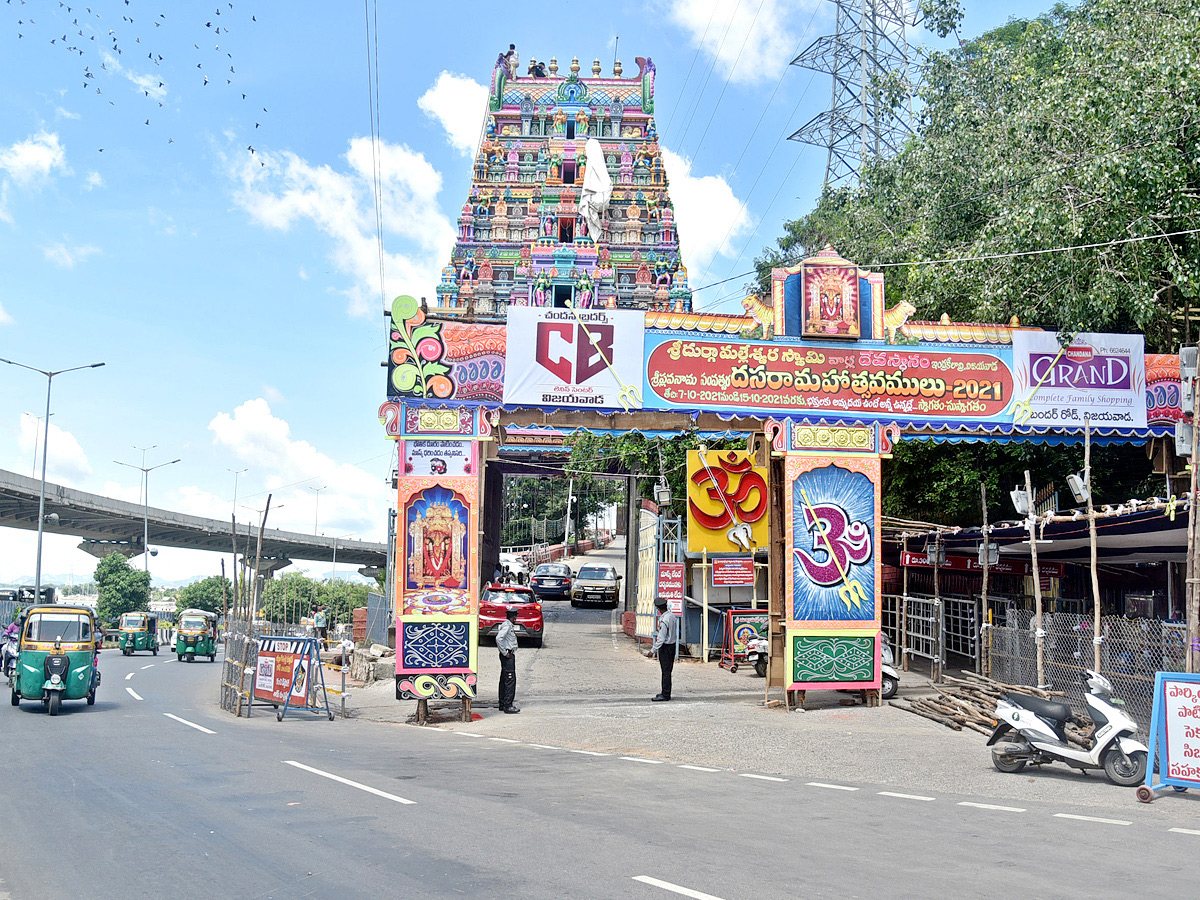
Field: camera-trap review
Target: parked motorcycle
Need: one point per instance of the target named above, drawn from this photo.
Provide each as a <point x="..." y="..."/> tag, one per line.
<point x="757" y="651"/>
<point x="1031" y="731"/>
<point x="889" y="678"/>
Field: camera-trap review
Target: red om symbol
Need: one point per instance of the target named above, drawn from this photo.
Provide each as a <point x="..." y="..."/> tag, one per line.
<point x="735" y="500"/>
<point x="841" y="540"/>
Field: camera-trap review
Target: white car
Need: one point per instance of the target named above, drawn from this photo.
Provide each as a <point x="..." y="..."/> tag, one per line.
<point x="516" y="563"/>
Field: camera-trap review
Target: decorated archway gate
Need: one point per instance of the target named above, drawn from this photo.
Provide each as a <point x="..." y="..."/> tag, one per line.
<point x="566" y="306"/>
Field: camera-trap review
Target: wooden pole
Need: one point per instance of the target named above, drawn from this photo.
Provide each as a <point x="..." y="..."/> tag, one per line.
<point x="937" y="603"/>
<point x="236" y="597"/>
<point x="983" y="595"/>
<point x="1091" y="512"/>
<point x="903" y="623"/>
<point x="262" y="526"/>
<point x="1038" y="634"/>
<point x="224" y="603"/>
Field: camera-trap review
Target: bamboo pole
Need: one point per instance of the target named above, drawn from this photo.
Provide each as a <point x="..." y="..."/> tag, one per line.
<point x="1038" y="635"/>
<point x="983" y="596"/>
<point x="903" y="623"/>
<point x="1190" y="595"/>
<point x="233" y="537"/>
<point x="1091" y="512"/>
<point x="937" y="605"/>
<point x="262" y="526"/>
<point x="704" y="603"/>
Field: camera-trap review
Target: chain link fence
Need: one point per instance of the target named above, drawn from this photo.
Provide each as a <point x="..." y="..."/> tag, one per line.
<point x="1132" y="651"/>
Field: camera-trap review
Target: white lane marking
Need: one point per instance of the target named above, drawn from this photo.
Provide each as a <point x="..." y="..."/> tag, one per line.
<point x="504" y="740"/>
<point x="832" y="787"/>
<point x="545" y="747"/>
<point x="189" y="724"/>
<point x="653" y="762"/>
<point x="132" y="693"/>
<point x="760" y="777"/>
<point x="991" y="806"/>
<point x="151" y="666"/>
<point x="469" y="734"/>
<point x="1184" y="830"/>
<point x="700" y="768"/>
<point x="1092" y="819"/>
<point x="590" y="752"/>
<point x="674" y="888"/>
<point x="130" y="675"/>
<point x="347" y="781"/>
<point x="904" y="796"/>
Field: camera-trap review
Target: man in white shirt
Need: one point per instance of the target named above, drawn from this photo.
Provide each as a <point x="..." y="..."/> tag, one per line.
<point x="506" y="643"/>
<point x="665" y="639"/>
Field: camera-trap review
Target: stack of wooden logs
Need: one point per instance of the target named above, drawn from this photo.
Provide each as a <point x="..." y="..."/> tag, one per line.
<point x="970" y="702"/>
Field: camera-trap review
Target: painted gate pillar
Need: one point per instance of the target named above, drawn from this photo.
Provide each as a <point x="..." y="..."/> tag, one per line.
<point x="833" y="568"/>
<point x="437" y="549"/>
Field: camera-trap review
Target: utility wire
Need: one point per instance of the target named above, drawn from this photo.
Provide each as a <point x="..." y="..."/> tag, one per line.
<point x="688" y="77"/>
<point x="716" y="56"/>
<point x="728" y="78"/>
<point x="373" y="109"/>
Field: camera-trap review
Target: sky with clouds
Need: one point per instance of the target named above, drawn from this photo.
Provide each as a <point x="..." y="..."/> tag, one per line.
<point x="187" y="194"/>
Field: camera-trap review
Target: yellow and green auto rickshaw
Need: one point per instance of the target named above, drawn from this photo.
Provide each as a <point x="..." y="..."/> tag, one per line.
<point x="56" y="660"/>
<point x="196" y="635"/>
<point x="139" y="631"/>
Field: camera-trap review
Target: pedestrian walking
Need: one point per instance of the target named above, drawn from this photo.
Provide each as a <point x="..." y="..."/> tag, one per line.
<point x="320" y="622"/>
<point x="506" y="643"/>
<point x="664" y="645"/>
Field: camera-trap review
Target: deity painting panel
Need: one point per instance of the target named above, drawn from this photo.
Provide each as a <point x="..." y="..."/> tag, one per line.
<point x="830" y="302"/>
<point x="436" y="523"/>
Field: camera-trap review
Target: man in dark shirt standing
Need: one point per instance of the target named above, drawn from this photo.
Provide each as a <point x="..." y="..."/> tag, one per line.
<point x="506" y="643"/>
<point x="665" y="639"/>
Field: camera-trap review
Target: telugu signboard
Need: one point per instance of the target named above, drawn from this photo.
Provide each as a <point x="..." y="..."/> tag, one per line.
<point x="670" y="586"/>
<point x="574" y="357"/>
<point x="733" y="571"/>
<point x="1003" y="566"/>
<point x="1174" y="732"/>
<point x="282" y="668"/>
<point x="889" y="383"/>
<point x="438" y="457"/>
<point x="1101" y="376"/>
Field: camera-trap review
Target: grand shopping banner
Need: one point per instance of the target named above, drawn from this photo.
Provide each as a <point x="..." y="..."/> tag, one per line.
<point x="1102" y="376"/>
<point x="588" y="358"/>
<point x="896" y="384"/>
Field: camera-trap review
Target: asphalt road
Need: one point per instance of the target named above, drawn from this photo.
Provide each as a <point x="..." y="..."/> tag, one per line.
<point x="120" y="800"/>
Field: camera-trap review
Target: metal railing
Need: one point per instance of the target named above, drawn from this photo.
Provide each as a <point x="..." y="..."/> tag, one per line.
<point x="1132" y="651"/>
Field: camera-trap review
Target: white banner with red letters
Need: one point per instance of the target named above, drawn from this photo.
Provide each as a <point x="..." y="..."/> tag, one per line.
<point x="588" y="358"/>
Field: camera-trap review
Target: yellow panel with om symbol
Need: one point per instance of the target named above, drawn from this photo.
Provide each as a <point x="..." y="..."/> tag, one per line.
<point x="727" y="502"/>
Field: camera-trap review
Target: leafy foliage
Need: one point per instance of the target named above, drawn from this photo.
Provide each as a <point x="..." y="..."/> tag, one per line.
<point x="212" y="594"/>
<point x="293" y="596"/>
<point x="121" y="587"/>
<point x="1079" y="127"/>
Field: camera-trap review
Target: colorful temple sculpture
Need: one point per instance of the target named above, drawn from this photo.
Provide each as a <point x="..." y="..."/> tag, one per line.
<point x="569" y="203"/>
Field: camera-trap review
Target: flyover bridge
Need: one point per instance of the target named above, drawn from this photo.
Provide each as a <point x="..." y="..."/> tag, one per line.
<point x="107" y="525"/>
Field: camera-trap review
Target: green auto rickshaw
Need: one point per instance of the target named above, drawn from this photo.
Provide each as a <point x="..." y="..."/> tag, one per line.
<point x="196" y="635"/>
<point x="139" y="631"/>
<point x="56" y="659"/>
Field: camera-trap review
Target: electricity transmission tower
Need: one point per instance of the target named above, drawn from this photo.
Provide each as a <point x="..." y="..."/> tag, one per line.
<point x="868" y="57"/>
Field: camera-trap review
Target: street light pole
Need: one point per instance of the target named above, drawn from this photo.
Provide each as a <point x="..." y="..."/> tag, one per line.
<point x="236" y="473"/>
<point x="146" y="505"/>
<point x="317" y="511"/>
<point x="37" y="584"/>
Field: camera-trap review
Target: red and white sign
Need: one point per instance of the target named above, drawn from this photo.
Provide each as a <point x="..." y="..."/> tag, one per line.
<point x="574" y="357"/>
<point x="737" y="571"/>
<point x="670" y="585"/>
<point x="281" y="669"/>
<point x="1181" y="712"/>
<point x="971" y="564"/>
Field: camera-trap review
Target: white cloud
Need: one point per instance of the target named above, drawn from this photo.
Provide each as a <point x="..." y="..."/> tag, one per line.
<point x="66" y="257"/>
<point x="66" y="464"/>
<point x="353" y="501"/>
<point x="278" y="190"/>
<point x="5" y="318"/>
<point x="94" y="180"/>
<point x="752" y="42"/>
<point x="708" y="215"/>
<point x="150" y="85"/>
<point x="128" y="493"/>
<point x="457" y="103"/>
<point x="33" y="158"/>
<point x="272" y="393"/>
<point x="66" y="113"/>
<point x="303" y="274"/>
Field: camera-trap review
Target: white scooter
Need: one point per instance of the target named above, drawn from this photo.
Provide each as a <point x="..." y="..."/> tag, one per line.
<point x="889" y="678"/>
<point x="757" y="650"/>
<point x="1031" y="732"/>
<point x="8" y="658"/>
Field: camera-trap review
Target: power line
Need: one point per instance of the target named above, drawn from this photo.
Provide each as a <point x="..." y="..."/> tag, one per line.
<point x="688" y="77"/>
<point x="708" y="75"/>
<point x="728" y="78"/>
<point x="373" y="109"/>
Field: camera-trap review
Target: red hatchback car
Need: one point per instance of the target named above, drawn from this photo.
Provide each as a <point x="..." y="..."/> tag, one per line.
<point x="494" y="605"/>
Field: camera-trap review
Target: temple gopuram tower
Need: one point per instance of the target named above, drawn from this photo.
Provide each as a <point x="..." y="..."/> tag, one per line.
<point x="536" y="230"/>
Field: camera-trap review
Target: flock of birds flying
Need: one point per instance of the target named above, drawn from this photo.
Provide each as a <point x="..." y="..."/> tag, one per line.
<point x="105" y="48"/>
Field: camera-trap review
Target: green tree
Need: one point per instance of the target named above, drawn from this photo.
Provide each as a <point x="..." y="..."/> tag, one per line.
<point x="121" y="587"/>
<point x="211" y="594"/>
